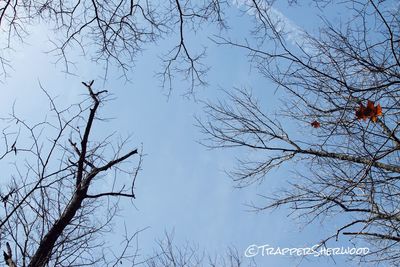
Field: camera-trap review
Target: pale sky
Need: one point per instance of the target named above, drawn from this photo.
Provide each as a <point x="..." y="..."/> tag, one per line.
<point x="182" y="187"/>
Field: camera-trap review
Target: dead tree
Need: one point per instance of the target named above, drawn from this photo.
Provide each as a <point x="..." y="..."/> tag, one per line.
<point x="65" y="187"/>
<point x="337" y="124"/>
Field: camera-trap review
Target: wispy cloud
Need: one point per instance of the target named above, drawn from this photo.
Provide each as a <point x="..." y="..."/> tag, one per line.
<point x="292" y="32"/>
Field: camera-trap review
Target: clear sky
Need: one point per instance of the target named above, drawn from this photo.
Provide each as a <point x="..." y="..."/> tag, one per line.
<point x="182" y="187"/>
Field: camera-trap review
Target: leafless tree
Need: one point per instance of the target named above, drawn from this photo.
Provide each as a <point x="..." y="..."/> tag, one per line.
<point x="64" y="190"/>
<point x="345" y="154"/>
<point x="113" y="32"/>
<point x="65" y="187"/>
<point x="189" y="255"/>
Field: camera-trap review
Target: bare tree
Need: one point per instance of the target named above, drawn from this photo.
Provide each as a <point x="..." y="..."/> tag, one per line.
<point x="113" y="32"/>
<point x="64" y="192"/>
<point x="341" y="101"/>
<point x="65" y="187"/>
<point x="189" y="255"/>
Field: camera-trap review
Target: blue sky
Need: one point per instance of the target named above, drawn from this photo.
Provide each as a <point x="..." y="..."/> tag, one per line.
<point x="182" y="187"/>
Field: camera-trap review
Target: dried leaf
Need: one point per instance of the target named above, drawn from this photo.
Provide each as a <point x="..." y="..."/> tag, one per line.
<point x="369" y="112"/>
<point x="315" y="124"/>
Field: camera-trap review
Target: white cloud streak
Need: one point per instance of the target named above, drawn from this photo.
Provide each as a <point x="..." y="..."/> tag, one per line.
<point x="293" y="33"/>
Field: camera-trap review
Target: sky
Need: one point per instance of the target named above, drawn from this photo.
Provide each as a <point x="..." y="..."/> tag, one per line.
<point x="182" y="187"/>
